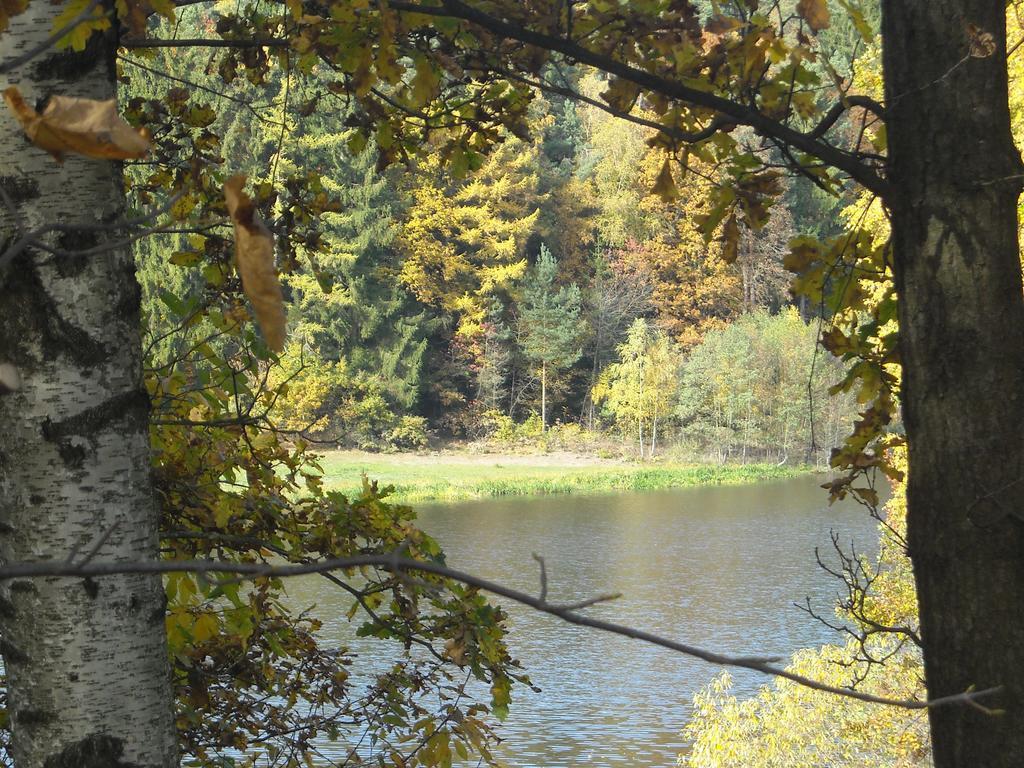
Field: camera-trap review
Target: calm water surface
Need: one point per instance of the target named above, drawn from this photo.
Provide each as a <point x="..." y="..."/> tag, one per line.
<point x="717" y="567"/>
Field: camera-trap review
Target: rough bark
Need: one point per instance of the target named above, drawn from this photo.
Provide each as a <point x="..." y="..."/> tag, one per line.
<point x="955" y="182"/>
<point x="86" y="660"/>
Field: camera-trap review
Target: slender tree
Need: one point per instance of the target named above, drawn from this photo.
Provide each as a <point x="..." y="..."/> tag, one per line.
<point x="550" y="320"/>
<point x="86" y="663"/>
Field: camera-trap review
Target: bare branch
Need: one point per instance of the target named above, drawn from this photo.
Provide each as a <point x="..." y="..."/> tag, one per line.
<point x="397" y="563"/>
<point x="150" y="42"/>
<point x="837" y="110"/>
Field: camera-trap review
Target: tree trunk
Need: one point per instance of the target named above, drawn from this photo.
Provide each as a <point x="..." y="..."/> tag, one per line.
<point x="654" y="430"/>
<point x="88" y="679"/>
<point x="955" y="178"/>
<point x="543" y="397"/>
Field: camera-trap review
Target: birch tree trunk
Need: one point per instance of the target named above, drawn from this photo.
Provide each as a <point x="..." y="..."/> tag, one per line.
<point x="86" y="660"/>
<point x="956" y="177"/>
<point x="543" y="396"/>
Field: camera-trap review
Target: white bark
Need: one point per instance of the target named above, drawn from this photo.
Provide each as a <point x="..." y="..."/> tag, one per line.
<point x="87" y="670"/>
<point x="543" y="396"/>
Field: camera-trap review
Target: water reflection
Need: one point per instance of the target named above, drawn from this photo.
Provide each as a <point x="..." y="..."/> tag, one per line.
<point x="716" y="567"/>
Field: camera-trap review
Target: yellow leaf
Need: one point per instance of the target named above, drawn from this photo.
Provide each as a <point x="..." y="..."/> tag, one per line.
<point x="82" y="126"/>
<point x="815" y="13"/>
<point x="79" y="31"/>
<point x="204" y="627"/>
<point x="621" y="94"/>
<point x="803" y="251"/>
<point x="665" y="186"/>
<point x="254" y="255"/>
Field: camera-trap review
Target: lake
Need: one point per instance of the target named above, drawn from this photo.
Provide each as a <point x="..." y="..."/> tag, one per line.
<point x="718" y="567"/>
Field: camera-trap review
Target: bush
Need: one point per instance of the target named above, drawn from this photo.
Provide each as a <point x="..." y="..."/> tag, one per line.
<point x="409" y="433"/>
<point x="324" y="400"/>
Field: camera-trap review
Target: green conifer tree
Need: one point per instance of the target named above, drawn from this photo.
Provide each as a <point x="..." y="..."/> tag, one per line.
<point x="550" y="322"/>
<point x="354" y="308"/>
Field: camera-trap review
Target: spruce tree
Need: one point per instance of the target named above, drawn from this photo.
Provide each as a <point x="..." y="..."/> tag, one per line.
<point x="354" y="308"/>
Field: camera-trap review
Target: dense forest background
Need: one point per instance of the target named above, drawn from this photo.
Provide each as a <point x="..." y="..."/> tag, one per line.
<point x="560" y="285"/>
<point x="542" y="296"/>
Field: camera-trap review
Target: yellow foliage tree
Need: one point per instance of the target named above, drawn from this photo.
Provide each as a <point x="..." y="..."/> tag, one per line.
<point x="466" y="240"/>
<point x="789" y="726"/>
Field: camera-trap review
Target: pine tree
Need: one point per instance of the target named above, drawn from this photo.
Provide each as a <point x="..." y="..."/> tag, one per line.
<point x="550" y="320"/>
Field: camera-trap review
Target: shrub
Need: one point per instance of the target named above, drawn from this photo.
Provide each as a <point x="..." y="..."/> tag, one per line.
<point x="409" y="433"/>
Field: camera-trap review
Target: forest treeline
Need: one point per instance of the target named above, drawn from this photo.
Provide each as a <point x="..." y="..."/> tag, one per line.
<point x="544" y="286"/>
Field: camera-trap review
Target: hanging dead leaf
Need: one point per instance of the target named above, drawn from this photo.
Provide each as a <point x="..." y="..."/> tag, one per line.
<point x="665" y="186"/>
<point x="254" y="256"/>
<point x="719" y="24"/>
<point x="81" y="126"/>
<point x="982" y="43"/>
<point x="621" y="94"/>
<point x="730" y="240"/>
<point x="815" y="13"/>
<point x="10" y="8"/>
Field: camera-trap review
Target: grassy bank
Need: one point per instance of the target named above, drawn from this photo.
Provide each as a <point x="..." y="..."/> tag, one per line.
<point x="458" y="477"/>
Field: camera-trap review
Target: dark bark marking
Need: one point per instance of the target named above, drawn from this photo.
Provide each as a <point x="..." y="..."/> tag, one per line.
<point x="96" y="751"/>
<point x="130" y="406"/>
<point x="22" y="585"/>
<point x="73" y="66"/>
<point x="72" y="263"/>
<point x="33" y="717"/>
<point x="35" y="315"/>
<point x="72" y="455"/>
<point x="92" y="420"/>
<point x="20" y="189"/>
<point x="7" y="608"/>
<point x="92" y="589"/>
<point x="12" y="654"/>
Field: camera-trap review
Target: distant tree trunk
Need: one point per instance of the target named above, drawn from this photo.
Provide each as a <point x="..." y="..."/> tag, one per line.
<point x="956" y="177"/>
<point x="88" y="680"/>
<point x="543" y="396"/>
<point x="654" y="430"/>
<point x="595" y="370"/>
<point x="746" y="275"/>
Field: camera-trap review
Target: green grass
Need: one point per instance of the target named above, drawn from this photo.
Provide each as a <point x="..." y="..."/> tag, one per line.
<point x="441" y="478"/>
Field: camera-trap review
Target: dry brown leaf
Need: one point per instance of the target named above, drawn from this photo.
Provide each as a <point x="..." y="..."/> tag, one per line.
<point x="254" y="255"/>
<point x="982" y="43"/>
<point x="720" y="24"/>
<point x="10" y="8"/>
<point x="80" y="126"/>
<point x="730" y="240"/>
<point x="664" y="185"/>
<point x="815" y="13"/>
